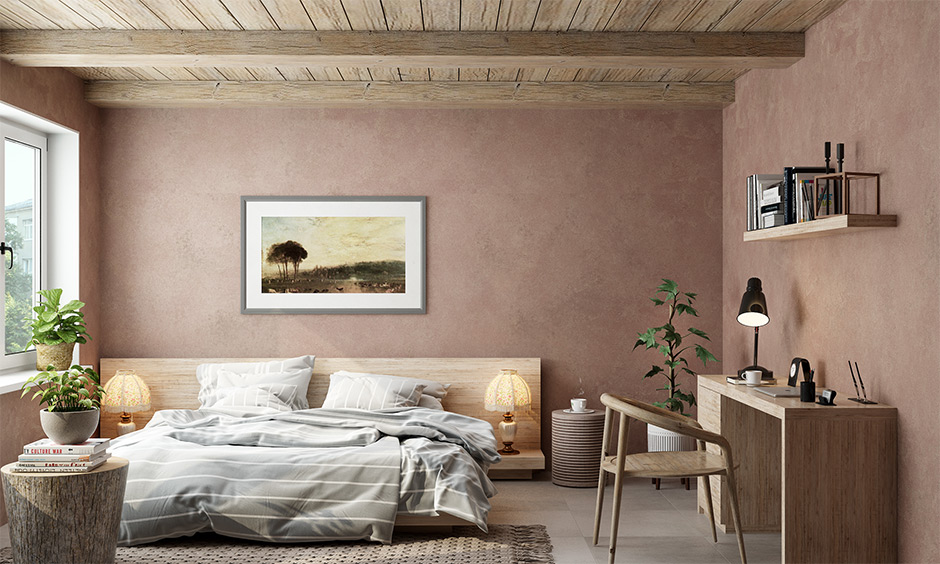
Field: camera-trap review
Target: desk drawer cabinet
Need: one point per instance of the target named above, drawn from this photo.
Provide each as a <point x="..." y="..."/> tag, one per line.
<point x="824" y="476"/>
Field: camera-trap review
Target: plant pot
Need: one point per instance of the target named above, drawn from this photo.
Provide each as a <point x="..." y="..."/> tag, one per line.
<point x="662" y="440"/>
<point x="69" y="427"/>
<point x="59" y="356"/>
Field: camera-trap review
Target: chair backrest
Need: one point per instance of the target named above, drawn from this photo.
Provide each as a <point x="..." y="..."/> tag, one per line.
<point x="650" y="414"/>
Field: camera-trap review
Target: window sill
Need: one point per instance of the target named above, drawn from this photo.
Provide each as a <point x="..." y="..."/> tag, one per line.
<point x="13" y="380"/>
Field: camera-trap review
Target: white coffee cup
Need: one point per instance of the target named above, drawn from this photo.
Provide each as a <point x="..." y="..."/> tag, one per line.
<point x="752" y="377"/>
<point x="578" y="405"/>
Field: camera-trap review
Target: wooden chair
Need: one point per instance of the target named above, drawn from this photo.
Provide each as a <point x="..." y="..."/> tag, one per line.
<point x="661" y="464"/>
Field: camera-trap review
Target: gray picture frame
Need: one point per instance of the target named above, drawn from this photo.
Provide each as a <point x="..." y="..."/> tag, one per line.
<point x="416" y="227"/>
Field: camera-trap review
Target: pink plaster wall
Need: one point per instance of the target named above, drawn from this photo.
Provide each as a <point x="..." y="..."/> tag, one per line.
<point x="870" y="79"/>
<point x="57" y="95"/>
<point x="547" y="231"/>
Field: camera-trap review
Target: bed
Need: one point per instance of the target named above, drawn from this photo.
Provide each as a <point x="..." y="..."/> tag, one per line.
<point x="316" y="474"/>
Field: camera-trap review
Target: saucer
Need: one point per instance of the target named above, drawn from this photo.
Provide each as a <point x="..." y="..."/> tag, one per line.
<point x="572" y="411"/>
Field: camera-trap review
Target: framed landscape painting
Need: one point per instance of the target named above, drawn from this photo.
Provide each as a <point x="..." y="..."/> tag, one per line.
<point x="309" y="254"/>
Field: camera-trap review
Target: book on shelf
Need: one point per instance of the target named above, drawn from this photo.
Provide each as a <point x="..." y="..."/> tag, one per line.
<point x="61" y="457"/>
<point x="53" y="463"/>
<point x="771" y="208"/>
<point x="47" y="446"/>
<point x="772" y="220"/>
<point x="762" y="190"/>
<point x="773" y="199"/>
<point x="792" y="199"/>
<point x="804" y="192"/>
<point x="91" y="463"/>
<point x="750" y="203"/>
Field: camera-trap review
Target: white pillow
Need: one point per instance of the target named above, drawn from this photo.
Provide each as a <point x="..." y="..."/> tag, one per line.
<point x="292" y="372"/>
<point x="431" y="388"/>
<point x="371" y="392"/>
<point x="430" y="402"/>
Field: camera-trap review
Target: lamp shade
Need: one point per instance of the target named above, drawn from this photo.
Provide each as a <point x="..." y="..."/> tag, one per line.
<point x="126" y="393"/>
<point x="753" y="310"/>
<point x="507" y="392"/>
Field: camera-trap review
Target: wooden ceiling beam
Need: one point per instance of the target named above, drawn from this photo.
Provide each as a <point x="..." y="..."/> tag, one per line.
<point x="137" y="94"/>
<point x="439" y="49"/>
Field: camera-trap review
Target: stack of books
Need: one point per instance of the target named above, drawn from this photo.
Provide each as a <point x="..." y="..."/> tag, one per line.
<point x="765" y="201"/>
<point x="47" y="456"/>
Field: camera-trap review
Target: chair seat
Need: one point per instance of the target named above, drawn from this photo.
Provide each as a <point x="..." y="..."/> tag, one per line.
<point x="668" y="464"/>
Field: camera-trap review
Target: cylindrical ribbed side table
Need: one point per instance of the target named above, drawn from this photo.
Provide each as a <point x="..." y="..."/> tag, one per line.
<point x="576" y="447"/>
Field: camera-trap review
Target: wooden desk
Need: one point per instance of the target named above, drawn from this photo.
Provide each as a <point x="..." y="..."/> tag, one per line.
<point x="824" y="476"/>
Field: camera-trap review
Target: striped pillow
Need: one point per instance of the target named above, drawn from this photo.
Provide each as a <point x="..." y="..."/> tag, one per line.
<point x="293" y="372"/>
<point x="371" y="392"/>
<point x="265" y="396"/>
<point x="431" y="388"/>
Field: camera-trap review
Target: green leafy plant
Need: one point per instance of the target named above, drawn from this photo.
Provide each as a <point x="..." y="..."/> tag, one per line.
<point x="54" y="324"/>
<point x="672" y="345"/>
<point x="75" y="389"/>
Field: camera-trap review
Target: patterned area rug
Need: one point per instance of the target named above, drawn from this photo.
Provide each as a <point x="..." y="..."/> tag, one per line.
<point x="504" y="544"/>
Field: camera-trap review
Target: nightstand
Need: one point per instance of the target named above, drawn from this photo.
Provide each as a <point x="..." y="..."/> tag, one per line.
<point x="518" y="466"/>
<point x="576" y="447"/>
<point x="56" y="517"/>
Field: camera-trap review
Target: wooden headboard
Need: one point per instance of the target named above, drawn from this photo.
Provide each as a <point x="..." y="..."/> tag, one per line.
<point x="173" y="384"/>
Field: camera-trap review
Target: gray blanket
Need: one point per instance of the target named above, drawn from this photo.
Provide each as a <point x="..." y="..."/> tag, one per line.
<point x="300" y="476"/>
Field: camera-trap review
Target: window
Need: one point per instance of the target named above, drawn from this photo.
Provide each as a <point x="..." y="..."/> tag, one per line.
<point x="23" y="160"/>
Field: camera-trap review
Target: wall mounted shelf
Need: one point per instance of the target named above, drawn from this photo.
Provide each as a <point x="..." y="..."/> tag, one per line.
<point x="830" y="225"/>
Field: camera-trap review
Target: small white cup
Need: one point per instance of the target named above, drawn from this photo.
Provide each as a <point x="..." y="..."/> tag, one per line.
<point x="578" y="405"/>
<point x="752" y="377"/>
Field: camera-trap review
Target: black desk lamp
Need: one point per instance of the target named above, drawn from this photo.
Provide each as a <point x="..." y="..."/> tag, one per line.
<point x="753" y="313"/>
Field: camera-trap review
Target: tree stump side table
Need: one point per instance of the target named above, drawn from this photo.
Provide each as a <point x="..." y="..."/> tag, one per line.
<point x="59" y="517"/>
<point x="576" y="447"/>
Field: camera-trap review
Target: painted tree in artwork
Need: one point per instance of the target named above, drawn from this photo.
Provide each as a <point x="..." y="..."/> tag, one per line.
<point x="285" y="256"/>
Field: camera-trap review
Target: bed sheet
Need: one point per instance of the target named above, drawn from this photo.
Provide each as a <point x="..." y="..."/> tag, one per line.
<point x="302" y="476"/>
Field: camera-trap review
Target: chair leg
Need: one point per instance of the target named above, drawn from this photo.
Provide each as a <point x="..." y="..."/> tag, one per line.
<point x="601" y="482"/>
<point x="657" y="482"/>
<point x="688" y="483"/>
<point x="735" y="515"/>
<point x="615" y="516"/>
<point x="706" y="483"/>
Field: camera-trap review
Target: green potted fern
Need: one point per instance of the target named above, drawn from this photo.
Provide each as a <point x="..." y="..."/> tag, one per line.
<point x="73" y="399"/>
<point x="674" y="345"/>
<point x="55" y="329"/>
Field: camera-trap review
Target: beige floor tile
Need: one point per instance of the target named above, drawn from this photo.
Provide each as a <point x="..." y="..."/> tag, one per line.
<point x="675" y="550"/>
<point x="572" y="550"/>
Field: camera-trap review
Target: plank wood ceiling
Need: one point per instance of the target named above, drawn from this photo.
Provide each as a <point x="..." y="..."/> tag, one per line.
<point x="411" y="53"/>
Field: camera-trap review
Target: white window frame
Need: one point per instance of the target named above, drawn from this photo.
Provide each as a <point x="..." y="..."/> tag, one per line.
<point x="39" y="140"/>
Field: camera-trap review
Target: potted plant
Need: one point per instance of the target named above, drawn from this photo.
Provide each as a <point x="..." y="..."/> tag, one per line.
<point x="673" y="345"/>
<point x="73" y="398"/>
<point x="56" y="329"/>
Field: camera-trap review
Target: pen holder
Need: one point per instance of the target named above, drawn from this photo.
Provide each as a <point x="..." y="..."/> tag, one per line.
<point x="808" y="391"/>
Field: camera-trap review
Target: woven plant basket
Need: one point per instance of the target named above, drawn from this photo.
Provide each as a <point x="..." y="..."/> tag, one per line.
<point x="59" y="356"/>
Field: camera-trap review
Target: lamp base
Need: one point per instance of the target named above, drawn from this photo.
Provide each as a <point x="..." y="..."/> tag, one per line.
<point x="507" y="431"/>
<point x="765" y="374"/>
<point x="507" y="449"/>
<point x="126" y="425"/>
